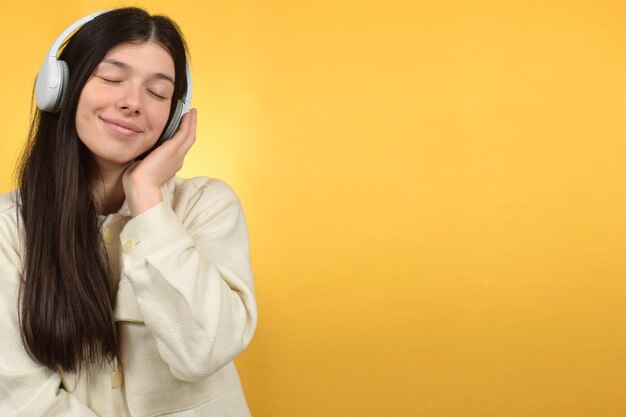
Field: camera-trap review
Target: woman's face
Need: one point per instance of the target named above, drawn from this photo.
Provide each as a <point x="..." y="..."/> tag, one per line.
<point x="125" y="103"/>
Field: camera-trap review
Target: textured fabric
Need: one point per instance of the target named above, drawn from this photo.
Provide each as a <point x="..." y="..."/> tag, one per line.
<point x="185" y="309"/>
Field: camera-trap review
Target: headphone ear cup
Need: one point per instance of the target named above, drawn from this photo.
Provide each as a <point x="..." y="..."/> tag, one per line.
<point x="173" y="125"/>
<point x="65" y="79"/>
<point x="51" y="84"/>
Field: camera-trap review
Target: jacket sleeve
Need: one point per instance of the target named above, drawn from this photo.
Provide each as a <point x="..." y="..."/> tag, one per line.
<point x="27" y="389"/>
<point x="189" y="268"/>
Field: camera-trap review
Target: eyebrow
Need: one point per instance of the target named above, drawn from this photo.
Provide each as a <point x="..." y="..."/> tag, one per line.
<point x="124" y="66"/>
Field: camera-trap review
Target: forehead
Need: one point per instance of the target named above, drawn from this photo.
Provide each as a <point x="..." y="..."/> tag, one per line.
<point x="144" y="57"/>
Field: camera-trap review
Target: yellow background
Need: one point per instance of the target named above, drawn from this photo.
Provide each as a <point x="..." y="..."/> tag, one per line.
<point x="434" y="190"/>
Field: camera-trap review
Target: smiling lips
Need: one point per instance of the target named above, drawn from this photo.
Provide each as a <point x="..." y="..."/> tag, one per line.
<point x="121" y="127"/>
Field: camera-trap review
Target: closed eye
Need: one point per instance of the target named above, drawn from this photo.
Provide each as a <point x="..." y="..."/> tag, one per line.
<point x="108" y="80"/>
<point x="160" y="97"/>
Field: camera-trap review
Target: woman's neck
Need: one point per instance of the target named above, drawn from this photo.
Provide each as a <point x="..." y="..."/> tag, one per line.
<point x="108" y="190"/>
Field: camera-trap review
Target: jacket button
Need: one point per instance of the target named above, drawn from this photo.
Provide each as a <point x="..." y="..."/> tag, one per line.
<point x="129" y="245"/>
<point x="107" y="235"/>
<point x="117" y="379"/>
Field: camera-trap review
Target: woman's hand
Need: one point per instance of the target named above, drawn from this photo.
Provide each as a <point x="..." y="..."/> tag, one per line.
<point x="142" y="180"/>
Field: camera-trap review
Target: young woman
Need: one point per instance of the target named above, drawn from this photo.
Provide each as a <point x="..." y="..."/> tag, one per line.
<point x="124" y="290"/>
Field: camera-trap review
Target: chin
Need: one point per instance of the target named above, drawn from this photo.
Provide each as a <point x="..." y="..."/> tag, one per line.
<point x="116" y="154"/>
<point x="119" y="160"/>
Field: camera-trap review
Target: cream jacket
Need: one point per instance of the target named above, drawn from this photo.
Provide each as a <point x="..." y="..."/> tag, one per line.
<point x="185" y="309"/>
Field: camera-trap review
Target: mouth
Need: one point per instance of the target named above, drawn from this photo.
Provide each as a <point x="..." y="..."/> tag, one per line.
<point x="120" y="127"/>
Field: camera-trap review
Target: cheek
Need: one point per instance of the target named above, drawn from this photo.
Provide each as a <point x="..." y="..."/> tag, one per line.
<point x="81" y="120"/>
<point x="85" y="108"/>
<point x="160" y="116"/>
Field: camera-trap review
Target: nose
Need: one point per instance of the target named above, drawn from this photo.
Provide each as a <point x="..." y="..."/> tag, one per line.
<point x="130" y="100"/>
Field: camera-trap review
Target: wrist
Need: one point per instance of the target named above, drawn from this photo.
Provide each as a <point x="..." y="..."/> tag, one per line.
<point x="141" y="199"/>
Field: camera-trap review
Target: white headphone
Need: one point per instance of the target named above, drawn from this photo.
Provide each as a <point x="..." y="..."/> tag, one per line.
<point x="53" y="77"/>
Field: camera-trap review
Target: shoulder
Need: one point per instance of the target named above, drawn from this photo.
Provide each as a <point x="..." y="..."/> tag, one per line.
<point x="9" y="228"/>
<point x="200" y="196"/>
<point x="9" y="211"/>
<point x="181" y="192"/>
<point x="8" y="201"/>
<point x="211" y="188"/>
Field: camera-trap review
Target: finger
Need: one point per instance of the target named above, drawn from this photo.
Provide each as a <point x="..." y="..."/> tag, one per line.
<point x="190" y="120"/>
<point x="193" y="125"/>
<point x="179" y="135"/>
<point x="190" y="137"/>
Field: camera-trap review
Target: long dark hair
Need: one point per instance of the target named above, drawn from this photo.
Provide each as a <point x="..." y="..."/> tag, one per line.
<point x="66" y="300"/>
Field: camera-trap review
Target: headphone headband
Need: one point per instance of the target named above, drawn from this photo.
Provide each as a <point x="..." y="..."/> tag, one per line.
<point x="54" y="49"/>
